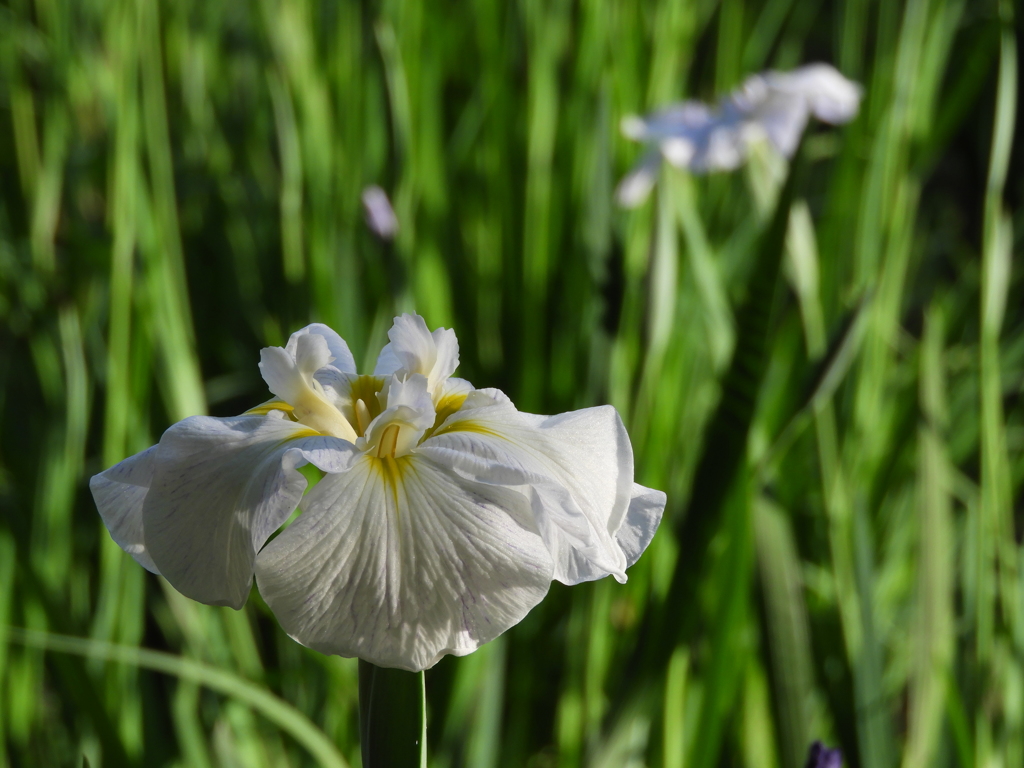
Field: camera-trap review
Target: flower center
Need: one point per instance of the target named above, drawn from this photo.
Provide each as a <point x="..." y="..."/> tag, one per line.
<point x="366" y="405"/>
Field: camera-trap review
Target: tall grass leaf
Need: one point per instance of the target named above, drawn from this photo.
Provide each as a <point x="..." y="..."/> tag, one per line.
<point x="49" y="188"/>
<point x="175" y="333"/>
<point x="934" y="636"/>
<point x="788" y="632"/>
<point x="290" y="149"/>
<point x="674" y="745"/>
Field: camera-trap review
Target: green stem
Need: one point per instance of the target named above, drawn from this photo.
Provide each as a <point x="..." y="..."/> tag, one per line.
<point x="392" y="717"/>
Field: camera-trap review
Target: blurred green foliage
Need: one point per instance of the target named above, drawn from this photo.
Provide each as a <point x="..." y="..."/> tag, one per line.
<point x="840" y="559"/>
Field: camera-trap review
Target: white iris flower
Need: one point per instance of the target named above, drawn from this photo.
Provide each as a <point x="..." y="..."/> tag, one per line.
<point x="442" y="516"/>
<point x="771" y="106"/>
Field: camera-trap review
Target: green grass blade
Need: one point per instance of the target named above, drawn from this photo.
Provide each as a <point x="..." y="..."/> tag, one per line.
<point x="788" y="632"/>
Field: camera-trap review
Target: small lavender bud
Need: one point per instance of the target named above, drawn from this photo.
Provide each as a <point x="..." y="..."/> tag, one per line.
<point x="380" y="216"/>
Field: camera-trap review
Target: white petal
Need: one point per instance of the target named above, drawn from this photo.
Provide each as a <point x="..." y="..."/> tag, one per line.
<point x="783" y="118"/>
<point x="293" y="381"/>
<point x="688" y="119"/>
<point x="634" y="127"/>
<point x="311" y="354"/>
<point x="343" y="359"/>
<point x="587" y="453"/>
<point x="646" y="507"/>
<point x="447" y="361"/>
<point x="414" y="349"/>
<point x="119" y="493"/>
<point x="387" y="361"/>
<point x="638" y="183"/>
<point x="829" y="96"/>
<point x="220" y="488"/>
<point x="402" y="562"/>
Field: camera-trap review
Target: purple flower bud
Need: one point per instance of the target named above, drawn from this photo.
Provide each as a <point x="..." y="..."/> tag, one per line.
<point x="820" y="756"/>
<point x="380" y="216"/>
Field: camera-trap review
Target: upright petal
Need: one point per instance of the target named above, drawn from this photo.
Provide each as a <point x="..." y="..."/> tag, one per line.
<point x="291" y="379"/>
<point x="414" y="349"/>
<point x="343" y="359"/>
<point x="830" y="96"/>
<point x="219" y="489"/>
<point x="782" y="118"/>
<point x="119" y="493"/>
<point x="400" y="562"/>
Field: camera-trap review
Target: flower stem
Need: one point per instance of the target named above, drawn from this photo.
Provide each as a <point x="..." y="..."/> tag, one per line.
<point x="392" y="717"/>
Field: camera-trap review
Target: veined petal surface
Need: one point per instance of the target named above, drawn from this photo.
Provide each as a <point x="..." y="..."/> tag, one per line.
<point x="220" y="488"/>
<point x="401" y="561"/>
<point x="584" y="454"/>
<point x="119" y="493"/>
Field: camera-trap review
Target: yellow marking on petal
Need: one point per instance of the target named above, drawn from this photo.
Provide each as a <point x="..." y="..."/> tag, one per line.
<point x="447" y="405"/>
<point x="468" y="425"/>
<point x="272" y="405"/>
<point x="391" y="472"/>
<point x="306" y="432"/>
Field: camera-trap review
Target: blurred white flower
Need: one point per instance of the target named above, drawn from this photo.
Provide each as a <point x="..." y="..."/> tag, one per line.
<point x="771" y="106"/>
<point x="380" y="216"/>
<point x="442" y="517"/>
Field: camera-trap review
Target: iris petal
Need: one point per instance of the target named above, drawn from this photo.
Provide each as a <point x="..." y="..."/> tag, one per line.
<point x="400" y="562"/>
<point x="586" y="453"/>
<point x="343" y="359"/>
<point x="220" y="488"/>
<point x="414" y="349"/>
<point x="119" y="494"/>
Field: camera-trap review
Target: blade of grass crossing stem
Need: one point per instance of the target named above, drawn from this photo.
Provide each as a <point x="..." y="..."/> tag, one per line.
<point x="392" y="717"/>
<point x="279" y="712"/>
<point x="787" y="631"/>
<point x="933" y="637"/>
